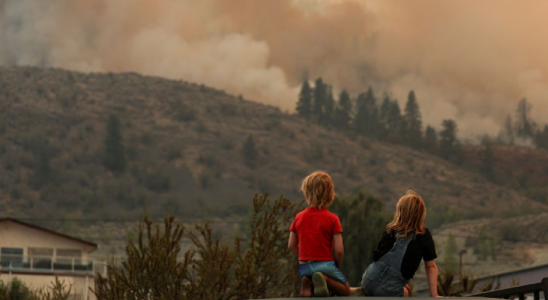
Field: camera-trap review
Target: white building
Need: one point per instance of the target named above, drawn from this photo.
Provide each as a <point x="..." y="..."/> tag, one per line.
<point x="37" y="255"/>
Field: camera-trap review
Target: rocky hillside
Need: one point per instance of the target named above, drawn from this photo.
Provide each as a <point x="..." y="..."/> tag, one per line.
<point x="183" y="150"/>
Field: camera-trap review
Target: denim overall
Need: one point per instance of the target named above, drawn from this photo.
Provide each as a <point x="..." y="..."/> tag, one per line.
<point x="383" y="278"/>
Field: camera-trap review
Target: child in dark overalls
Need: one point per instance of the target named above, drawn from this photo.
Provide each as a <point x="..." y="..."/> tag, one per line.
<point x="403" y="245"/>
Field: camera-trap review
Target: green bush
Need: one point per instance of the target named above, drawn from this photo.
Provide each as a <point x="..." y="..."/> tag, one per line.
<point x="184" y="113"/>
<point x="364" y="219"/>
<point x="17" y="290"/>
<point x="156" y="268"/>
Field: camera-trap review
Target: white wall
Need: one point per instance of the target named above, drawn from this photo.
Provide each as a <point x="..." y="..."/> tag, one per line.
<point x="14" y="235"/>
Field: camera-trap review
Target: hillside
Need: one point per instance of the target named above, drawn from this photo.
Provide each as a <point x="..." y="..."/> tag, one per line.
<point x="183" y="145"/>
<point x="521" y="168"/>
<point x="492" y="246"/>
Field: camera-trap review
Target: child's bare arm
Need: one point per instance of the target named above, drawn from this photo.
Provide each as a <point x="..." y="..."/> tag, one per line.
<point x="432" y="275"/>
<point x="338" y="249"/>
<point x="293" y="243"/>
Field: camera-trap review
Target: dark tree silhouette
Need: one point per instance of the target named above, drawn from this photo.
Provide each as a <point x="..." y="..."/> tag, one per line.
<point x="319" y="100"/>
<point x="343" y="111"/>
<point x="114" y="154"/>
<point x="430" y="140"/>
<point x="249" y="152"/>
<point x="449" y="146"/>
<point x="413" y="122"/>
<point x="487" y="168"/>
<point x="304" y="106"/>
<point x="525" y="127"/>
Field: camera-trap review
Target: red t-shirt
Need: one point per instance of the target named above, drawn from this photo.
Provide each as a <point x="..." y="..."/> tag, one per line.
<point x="315" y="229"/>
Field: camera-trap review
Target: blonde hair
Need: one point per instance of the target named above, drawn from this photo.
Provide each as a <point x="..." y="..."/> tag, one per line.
<point x="318" y="189"/>
<point x="409" y="216"/>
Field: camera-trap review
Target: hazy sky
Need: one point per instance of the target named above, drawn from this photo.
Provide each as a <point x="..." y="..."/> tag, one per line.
<point x="466" y="60"/>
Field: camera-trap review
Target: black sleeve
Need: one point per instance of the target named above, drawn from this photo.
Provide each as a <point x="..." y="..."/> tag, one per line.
<point x="384" y="246"/>
<point x="429" y="248"/>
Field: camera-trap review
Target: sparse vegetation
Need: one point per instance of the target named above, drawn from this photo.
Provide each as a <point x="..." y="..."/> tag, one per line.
<point x="156" y="268"/>
<point x="165" y="158"/>
<point x="17" y="290"/>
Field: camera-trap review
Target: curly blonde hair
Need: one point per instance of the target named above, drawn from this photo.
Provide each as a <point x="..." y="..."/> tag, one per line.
<point x="318" y="189"/>
<point x="409" y="216"/>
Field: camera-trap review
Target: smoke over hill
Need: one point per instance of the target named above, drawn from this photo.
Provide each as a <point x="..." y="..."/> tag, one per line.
<point x="470" y="61"/>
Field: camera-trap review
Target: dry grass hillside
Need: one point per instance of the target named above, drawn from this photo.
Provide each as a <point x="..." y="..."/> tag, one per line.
<point x="524" y="169"/>
<point x="183" y="145"/>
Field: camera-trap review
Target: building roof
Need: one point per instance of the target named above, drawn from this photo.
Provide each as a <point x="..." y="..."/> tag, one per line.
<point x="94" y="245"/>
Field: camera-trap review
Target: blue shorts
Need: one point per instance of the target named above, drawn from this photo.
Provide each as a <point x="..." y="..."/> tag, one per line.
<point x="328" y="268"/>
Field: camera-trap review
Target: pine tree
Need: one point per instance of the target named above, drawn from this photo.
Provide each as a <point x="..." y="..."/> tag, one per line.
<point x="449" y="146"/>
<point x="329" y="111"/>
<point x="360" y="120"/>
<point x="430" y="140"/>
<point x="413" y="122"/>
<point x="541" y="138"/>
<point x="395" y="123"/>
<point x="249" y="152"/>
<point x="343" y="110"/>
<point x="384" y="115"/>
<point x="366" y="121"/>
<point x="42" y="164"/>
<point x="487" y="168"/>
<point x="304" y="106"/>
<point x="524" y="125"/>
<point x="319" y="100"/>
<point x="373" y="128"/>
<point x="114" y="154"/>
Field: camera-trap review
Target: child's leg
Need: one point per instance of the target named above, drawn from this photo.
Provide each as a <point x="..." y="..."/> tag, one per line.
<point x="306" y="287"/>
<point x="336" y="287"/>
<point x="407" y="291"/>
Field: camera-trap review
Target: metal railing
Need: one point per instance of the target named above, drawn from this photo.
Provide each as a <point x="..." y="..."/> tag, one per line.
<point x="519" y="291"/>
<point x="41" y="264"/>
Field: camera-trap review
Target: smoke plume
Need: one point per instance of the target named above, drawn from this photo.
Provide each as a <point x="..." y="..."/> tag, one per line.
<point x="469" y="61"/>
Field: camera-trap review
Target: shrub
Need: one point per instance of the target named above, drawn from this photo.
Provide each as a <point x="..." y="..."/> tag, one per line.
<point x="155" y="268"/>
<point x="17" y="290"/>
<point x="173" y="152"/>
<point x="184" y="113"/>
<point x="249" y="152"/>
<point x="313" y="153"/>
<point x="363" y="218"/>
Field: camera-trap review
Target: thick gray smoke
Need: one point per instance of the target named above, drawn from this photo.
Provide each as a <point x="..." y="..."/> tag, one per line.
<point x="469" y="61"/>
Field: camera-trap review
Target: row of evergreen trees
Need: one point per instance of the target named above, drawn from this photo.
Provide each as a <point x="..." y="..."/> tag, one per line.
<point x="524" y="127"/>
<point x="364" y="116"/>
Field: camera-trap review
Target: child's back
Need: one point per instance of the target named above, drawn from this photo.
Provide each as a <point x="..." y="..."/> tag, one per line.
<point x="315" y="229"/>
<point x="316" y="238"/>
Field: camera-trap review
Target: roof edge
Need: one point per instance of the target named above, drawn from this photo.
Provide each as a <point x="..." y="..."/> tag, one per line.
<point x="91" y="244"/>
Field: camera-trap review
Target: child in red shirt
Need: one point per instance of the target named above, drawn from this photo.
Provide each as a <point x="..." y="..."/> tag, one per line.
<point x="316" y="235"/>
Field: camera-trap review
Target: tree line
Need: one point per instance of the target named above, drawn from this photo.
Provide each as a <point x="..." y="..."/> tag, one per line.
<point x="383" y="120"/>
<point x="524" y="127"/>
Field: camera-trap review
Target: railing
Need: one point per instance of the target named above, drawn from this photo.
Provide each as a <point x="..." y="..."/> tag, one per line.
<point x="520" y="291"/>
<point x="40" y="264"/>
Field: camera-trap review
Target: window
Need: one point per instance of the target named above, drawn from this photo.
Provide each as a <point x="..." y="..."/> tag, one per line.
<point x="68" y="259"/>
<point x="11" y="257"/>
<point x="41" y="258"/>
